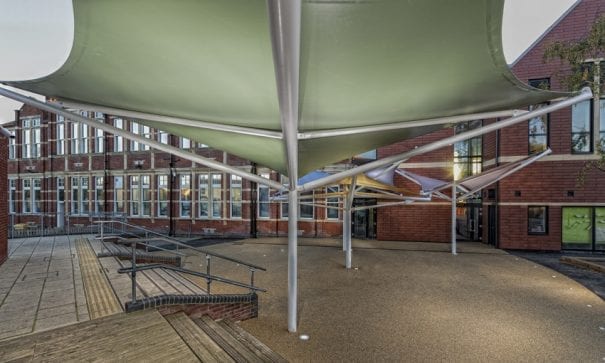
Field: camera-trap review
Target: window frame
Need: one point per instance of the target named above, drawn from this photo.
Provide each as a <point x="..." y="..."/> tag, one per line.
<point x="163" y="187"/>
<point x="546" y="121"/>
<point x="31" y="132"/>
<point x="236" y="184"/>
<point x="589" y="133"/>
<point x="544" y="221"/>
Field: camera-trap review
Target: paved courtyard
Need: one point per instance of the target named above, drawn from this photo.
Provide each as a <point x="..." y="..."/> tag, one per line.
<point x="400" y="302"/>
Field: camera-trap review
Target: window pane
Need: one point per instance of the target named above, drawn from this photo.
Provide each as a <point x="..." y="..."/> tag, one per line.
<point x="602" y="121"/>
<point x="600" y="228"/>
<point x="185" y="195"/>
<point x="332" y="213"/>
<point x="581" y="138"/>
<point x="537" y="220"/>
<point x="204" y="196"/>
<point x="577" y="227"/>
<point x="216" y="195"/>
<point x="263" y="199"/>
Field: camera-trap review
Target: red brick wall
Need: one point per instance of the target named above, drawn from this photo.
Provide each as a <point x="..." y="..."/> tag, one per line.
<point x="421" y="222"/>
<point x="3" y="200"/>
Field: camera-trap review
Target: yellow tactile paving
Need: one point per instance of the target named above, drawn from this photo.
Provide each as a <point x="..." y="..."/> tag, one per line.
<point x="100" y="296"/>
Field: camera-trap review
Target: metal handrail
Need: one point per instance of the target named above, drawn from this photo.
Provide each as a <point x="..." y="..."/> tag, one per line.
<point x="189" y="272"/>
<point x="181" y="244"/>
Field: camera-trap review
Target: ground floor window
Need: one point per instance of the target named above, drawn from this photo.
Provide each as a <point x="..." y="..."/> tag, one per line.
<point x="537" y="220"/>
<point x="79" y="195"/>
<point x="163" y="195"/>
<point x="118" y="194"/>
<point x="583" y="228"/>
<point x="185" y="195"/>
<point x="140" y="195"/>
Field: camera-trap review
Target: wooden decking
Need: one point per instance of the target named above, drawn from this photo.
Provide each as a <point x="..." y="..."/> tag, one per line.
<point x="101" y="298"/>
<point x="143" y="336"/>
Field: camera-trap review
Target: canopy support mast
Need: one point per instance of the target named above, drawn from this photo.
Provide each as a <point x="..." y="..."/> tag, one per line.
<point x="284" y="22"/>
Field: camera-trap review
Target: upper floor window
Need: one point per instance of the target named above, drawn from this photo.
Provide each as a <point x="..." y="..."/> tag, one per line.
<point x="538" y="132"/>
<point x="468" y="153"/>
<point x="32" y="137"/>
<point x="79" y="138"/>
<point x="12" y="146"/>
<point x="581" y="129"/>
<point x="60" y="135"/>
<point x="99" y="134"/>
<point x="118" y="141"/>
<point x="163" y="137"/>
<point x="602" y="123"/>
<point x="142" y="130"/>
<point x="185" y="143"/>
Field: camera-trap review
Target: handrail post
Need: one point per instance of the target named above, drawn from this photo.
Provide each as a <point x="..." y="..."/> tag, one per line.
<point x="252" y="280"/>
<point x="133" y="275"/>
<point x="208" y="281"/>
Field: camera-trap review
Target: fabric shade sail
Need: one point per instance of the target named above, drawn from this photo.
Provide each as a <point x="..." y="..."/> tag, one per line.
<point x="362" y="63"/>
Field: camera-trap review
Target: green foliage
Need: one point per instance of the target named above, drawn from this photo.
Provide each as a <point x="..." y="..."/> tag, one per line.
<point x="576" y="53"/>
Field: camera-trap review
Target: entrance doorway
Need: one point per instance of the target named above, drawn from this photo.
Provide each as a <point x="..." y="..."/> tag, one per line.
<point x="492" y="226"/>
<point x="364" y="221"/>
<point x="469" y="220"/>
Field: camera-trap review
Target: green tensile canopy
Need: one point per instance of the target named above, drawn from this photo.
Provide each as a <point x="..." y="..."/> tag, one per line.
<point x="362" y="63"/>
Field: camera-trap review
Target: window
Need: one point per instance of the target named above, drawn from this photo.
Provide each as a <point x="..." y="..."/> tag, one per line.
<point x="185" y="195"/>
<point x="538" y="132"/>
<point x="142" y="130"/>
<point x="79" y="138"/>
<point x="118" y="141"/>
<point x="60" y="135"/>
<point x="12" y="146"/>
<point x="581" y="130"/>
<point x="162" y="195"/>
<point x="263" y="199"/>
<point x="584" y="228"/>
<point x="468" y="153"/>
<point x="202" y="146"/>
<point x="332" y="201"/>
<point x="537" y="220"/>
<point x="118" y="194"/>
<point x="32" y="199"/>
<point x="27" y="196"/>
<point x="12" y="196"/>
<point x="284" y="203"/>
<point x="305" y="207"/>
<point x="61" y="196"/>
<point x="79" y="195"/>
<point x="99" y="135"/>
<point x="140" y="195"/>
<point x="236" y="196"/>
<point x="163" y="137"/>
<point x="99" y="194"/>
<point x="99" y="116"/>
<point x="185" y="143"/>
<point x="31" y="138"/>
<point x="602" y="123"/>
<point x="210" y="191"/>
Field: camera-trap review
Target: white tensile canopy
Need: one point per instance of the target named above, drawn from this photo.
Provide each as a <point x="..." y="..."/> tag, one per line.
<point x="292" y="85"/>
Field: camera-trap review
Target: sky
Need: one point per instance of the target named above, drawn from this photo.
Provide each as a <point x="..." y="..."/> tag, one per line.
<point x="524" y="22"/>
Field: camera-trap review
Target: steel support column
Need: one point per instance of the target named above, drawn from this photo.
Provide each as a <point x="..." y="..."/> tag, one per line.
<point x="348" y="205"/>
<point x="454" y="252"/>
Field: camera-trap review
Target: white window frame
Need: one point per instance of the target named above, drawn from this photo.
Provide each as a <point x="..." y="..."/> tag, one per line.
<point x="32" y="133"/>
<point x="118" y="141"/>
<point x="79" y="138"/>
<point x="140" y="207"/>
<point x="263" y="190"/>
<point x="184" y="200"/>
<point x="235" y="197"/>
<point x="60" y="135"/>
<point x="332" y="202"/>
<point x="99" y="194"/>
<point x="118" y="191"/>
<point x="79" y="204"/>
<point x="162" y="183"/>
<point x="12" y="196"/>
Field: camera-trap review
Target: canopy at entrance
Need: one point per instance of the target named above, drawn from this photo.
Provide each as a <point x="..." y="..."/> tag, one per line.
<point x="362" y="64"/>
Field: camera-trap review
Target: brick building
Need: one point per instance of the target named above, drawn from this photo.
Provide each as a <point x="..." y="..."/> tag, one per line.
<point x="62" y="172"/>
